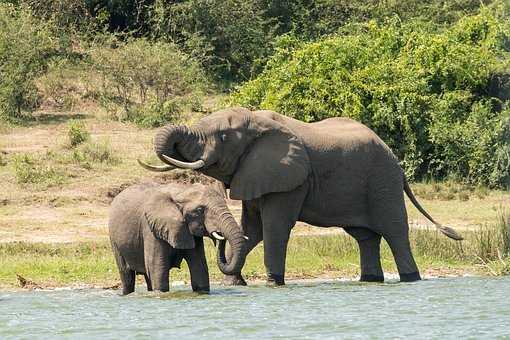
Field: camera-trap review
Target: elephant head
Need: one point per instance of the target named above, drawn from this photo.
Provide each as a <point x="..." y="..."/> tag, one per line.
<point x="250" y="153"/>
<point x="178" y="217"/>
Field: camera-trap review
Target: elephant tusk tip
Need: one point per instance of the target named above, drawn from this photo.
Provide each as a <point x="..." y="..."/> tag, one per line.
<point x="156" y="168"/>
<point x="218" y="236"/>
<point x="245" y="237"/>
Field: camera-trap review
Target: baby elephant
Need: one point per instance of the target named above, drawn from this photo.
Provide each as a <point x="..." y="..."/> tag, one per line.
<point x="154" y="227"/>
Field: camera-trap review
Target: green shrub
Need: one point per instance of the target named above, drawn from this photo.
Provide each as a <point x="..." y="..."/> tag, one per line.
<point x="155" y="113"/>
<point x="425" y="91"/>
<point x="504" y="229"/>
<point x="95" y="152"/>
<point x="67" y="15"/>
<point x="141" y="77"/>
<point x="228" y="37"/>
<point x="312" y="19"/>
<point x="77" y="133"/>
<point x="32" y="170"/>
<point x="26" y="45"/>
<point x="63" y="85"/>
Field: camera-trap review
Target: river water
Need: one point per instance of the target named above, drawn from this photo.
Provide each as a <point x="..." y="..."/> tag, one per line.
<point x="436" y="308"/>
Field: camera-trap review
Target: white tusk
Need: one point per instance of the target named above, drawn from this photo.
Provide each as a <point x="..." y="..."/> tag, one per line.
<point x="217" y="236"/>
<point x="156" y="168"/>
<point x="185" y="165"/>
<point x="246" y="237"/>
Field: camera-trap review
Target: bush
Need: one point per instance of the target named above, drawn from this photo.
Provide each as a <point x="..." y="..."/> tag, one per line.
<point x="141" y="77"/>
<point x="95" y="152"/>
<point x="155" y="113"/>
<point x="77" y="133"/>
<point x="32" y="170"/>
<point x="425" y="91"/>
<point x="313" y="19"/>
<point x="228" y="37"/>
<point x="67" y="15"/>
<point x="26" y="45"/>
<point x="62" y="86"/>
<point x="504" y="230"/>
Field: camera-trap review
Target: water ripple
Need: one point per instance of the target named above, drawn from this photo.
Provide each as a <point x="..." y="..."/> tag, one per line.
<point x="439" y="308"/>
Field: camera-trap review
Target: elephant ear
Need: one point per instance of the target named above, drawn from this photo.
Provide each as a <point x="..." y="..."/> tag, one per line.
<point x="166" y="221"/>
<point x="277" y="161"/>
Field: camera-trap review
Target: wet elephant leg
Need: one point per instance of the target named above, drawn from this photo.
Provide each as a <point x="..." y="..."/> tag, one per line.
<point x="127" y="278"/>
<point x="197" y="265"/>
<point x="388" y="216"/>
<point x="369" y="244"/>
<point x="157" y="262"/>
<point x="401" y="250"/>
<point x="148" y="282"/>
<point x="279" y="212"/>
<point x="251" y="223"/>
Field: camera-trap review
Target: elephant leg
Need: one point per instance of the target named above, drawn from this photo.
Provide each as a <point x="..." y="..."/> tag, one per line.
<point x="388" y="216"/>
<point x="370" y="255"/>
<point x="148" y="282"/>
<point x="251" y="224"/>
<point x="127" y="276"/>
<point x="157" y="262"/>
<point x="197" y="265"/>
<point x="401" y="250"/>
<point x="279" y="212"/>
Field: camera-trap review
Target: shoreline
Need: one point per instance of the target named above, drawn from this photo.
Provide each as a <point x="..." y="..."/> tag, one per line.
<point x="257" y="281"/>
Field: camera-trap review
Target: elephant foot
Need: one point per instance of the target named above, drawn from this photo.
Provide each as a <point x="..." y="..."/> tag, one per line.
<point x="201" y="290"/>
<point x="234" y="280"/>
<point x="371" y="278"/>
<point x="409" y="277"/>
<point x="274" y="280"/>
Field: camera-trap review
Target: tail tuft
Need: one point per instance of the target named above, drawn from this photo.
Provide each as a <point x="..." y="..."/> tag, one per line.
<point x="451" y="233"/>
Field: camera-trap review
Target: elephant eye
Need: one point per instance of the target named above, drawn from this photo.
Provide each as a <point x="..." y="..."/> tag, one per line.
<point x="223" y="137"/>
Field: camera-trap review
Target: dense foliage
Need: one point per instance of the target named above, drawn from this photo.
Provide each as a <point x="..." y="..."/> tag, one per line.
<point x="26" y="45"/>
<point x="431" y="77"/>
<point x="233" y="38"/>
<point x="145" y="82"/>
<point x="438" y="98"/>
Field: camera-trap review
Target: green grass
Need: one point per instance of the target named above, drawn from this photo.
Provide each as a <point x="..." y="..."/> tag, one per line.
<point x="77" y="133"/>
<point x="449" y="190"/>
<point x="482" y="252"/>
<point x="32" y="170"/>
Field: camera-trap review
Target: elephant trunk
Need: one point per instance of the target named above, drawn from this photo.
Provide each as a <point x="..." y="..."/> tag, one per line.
<point x="179" y="142"/>
<point x="234" y="235"/>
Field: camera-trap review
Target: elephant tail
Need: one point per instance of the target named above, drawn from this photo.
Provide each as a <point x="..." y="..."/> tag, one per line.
<point x="450" y="232"/>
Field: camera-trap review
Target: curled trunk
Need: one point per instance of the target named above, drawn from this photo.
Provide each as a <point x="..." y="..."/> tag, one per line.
<point x="178" y="142"/>
<point x="234" y="236"/>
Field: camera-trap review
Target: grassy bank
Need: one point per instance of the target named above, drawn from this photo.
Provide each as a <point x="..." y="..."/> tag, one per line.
<point x="483" y="252"/>
<point x="60" y="173"/>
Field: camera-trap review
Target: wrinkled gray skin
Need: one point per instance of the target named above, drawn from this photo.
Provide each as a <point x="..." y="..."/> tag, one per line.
<point x="336" y="172"/>
<point x="154" y="227"/>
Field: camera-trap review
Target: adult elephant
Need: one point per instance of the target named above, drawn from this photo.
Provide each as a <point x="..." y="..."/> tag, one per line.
<point x="153" y="227"/>
<point x="336" y="172"/>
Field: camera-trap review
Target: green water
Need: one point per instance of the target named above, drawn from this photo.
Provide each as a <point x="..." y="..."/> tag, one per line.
<point x="436" y="308"/>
